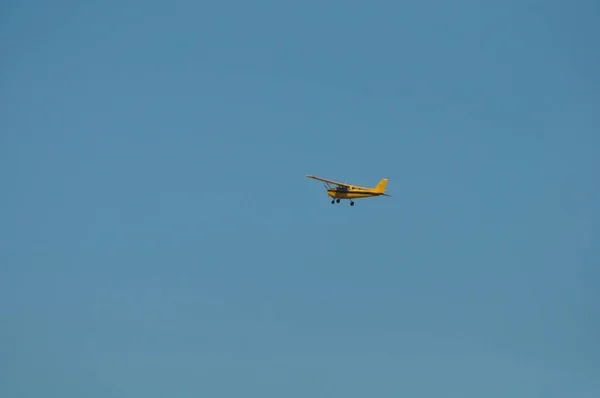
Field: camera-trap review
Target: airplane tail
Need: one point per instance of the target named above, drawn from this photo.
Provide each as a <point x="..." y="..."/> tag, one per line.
<point x="380" y="188"/>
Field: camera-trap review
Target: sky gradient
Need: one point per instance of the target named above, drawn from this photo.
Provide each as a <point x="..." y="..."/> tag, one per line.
<point x="158" y="236"/>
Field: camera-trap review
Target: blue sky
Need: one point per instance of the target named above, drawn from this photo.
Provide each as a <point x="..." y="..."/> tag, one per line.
<point x="158" y="236"/>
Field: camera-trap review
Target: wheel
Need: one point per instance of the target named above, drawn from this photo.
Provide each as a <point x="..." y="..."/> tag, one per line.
<point x="351" y="203"/>
<point x="337" y="200"/>
<point x="333" y="201"/>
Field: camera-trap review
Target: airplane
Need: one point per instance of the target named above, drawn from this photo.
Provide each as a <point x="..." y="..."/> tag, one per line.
<point x="349" y="192"/>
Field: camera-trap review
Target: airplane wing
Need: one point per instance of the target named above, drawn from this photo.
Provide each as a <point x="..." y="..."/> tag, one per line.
<point x="341" y="184"/>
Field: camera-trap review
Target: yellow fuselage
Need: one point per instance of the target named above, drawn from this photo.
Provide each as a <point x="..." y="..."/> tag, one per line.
<point x="351" y="194"/>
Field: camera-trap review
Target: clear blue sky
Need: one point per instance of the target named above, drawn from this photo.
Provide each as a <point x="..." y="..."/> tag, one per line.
<point x="158" y="236"/>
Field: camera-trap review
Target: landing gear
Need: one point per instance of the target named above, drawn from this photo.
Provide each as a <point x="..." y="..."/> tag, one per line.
<point x="337" y="200"/>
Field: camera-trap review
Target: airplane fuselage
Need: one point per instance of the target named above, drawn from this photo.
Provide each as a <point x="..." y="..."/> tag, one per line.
<point x="351" y="193"/>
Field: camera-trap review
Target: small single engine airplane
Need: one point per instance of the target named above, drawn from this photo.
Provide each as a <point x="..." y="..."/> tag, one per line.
<point x="349" y="192"/>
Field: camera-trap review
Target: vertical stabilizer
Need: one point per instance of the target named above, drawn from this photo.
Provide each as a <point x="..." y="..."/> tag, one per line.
<point x="380" y="188"/>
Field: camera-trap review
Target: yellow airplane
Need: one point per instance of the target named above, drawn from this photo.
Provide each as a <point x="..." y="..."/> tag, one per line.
<point x="349" y="192"/>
